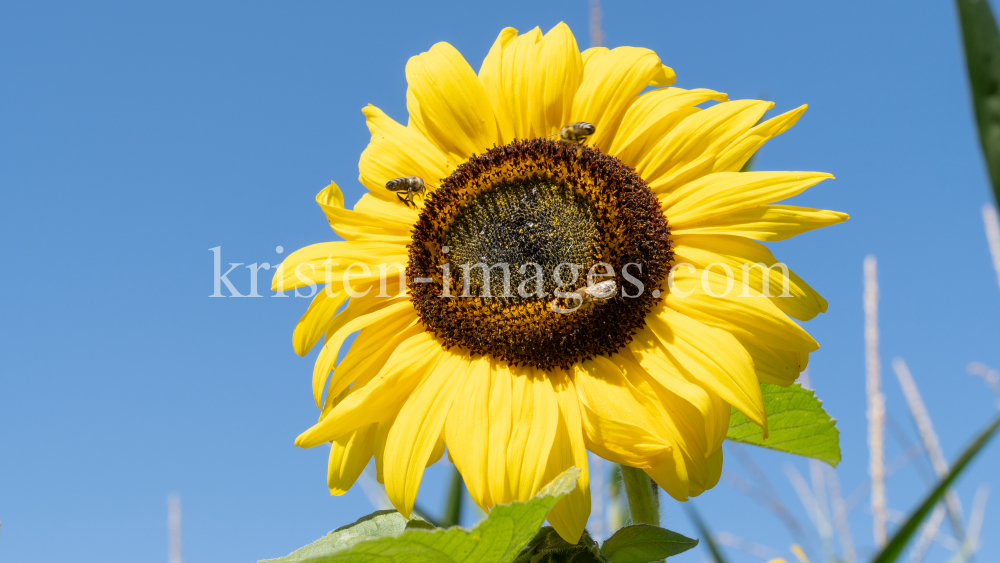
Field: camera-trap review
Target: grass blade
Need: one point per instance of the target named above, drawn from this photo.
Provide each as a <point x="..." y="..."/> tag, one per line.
<point x="705" y="533"/>
<point x="982" y="57"/>
<point x="905" y="532"/>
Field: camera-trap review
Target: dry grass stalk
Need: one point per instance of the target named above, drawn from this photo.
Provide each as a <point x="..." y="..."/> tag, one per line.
<point x="764" y="492"/>
<point x="765" y="500"/>
<point x="990" y="376"/>
<point x="840" y="521"/>
<point x="927" y="534"/>
<point x="746" y="546"/>
<point x="174" y="529"/>
<point x="596" y="32"/>
<point x="876" y="402"/>
<point x="926" y="429"/>
<point x="971" y="543"/>
<point x="822" y="509"/>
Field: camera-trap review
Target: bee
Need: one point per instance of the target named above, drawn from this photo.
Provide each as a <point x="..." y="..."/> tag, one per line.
<point x="599" y="292"/>
<point x="412" y="185"/>
<point x="575" y="133"/>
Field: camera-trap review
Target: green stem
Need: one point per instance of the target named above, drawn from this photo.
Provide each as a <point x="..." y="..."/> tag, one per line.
<point x="453" y="506"/>
<point x="643" y="497"/>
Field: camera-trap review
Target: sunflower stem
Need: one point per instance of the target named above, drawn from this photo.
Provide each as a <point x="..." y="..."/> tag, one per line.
<point x="643" y="497"/>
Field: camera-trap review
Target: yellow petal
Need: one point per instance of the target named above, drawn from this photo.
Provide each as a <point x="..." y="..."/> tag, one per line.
<point x="786" y="290"/>
<point x="733" y="157"/>
<point x="411" y="361"/>
<point x="725" y="192"/>
<point x="468" y="430"/>
<point x="569" y="516"/>
<point x="618" y="427"/>
<point x="652" y="116"/>
<point x="554" y="77"/>
<point x="702" y="133"/>
<point x="518" y="59"/>
<point x="396" y="151"/>
<point x="500" y="409"/>
<point x="419" y="424"/>
<point x="349" y="455"/>
<point x="381" y="435"/>
<point x="611" y="81"/>
<point x="353" y="225"/>
<point x="312" y="325"/>
<point x="453" y="104"/>
<point x="536" y="412"/>
<point x="681" y="423"/>
<point x="665" y="77"/>
<point x="714" y="357"/>
<point x="774" y="365"/>
<point x="716" y="300"/>
<point x="357" y="315"/>
<point x="665" y="371"/>
<point x="764" y="222"/>
<point x="591" y="53"/>
<point x="370" y="351"/>
<point x="491" y="75"/>
<point x="327" y="262"/>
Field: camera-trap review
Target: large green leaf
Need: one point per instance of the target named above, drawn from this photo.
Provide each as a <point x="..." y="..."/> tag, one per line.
<point x="383" y="523"/>
<point x="498" y="539"/>
<point x="905" y="532"/>
<point x="643" y="543"/>
<point x="796" y="422"/>
<point x="982" y="56"/>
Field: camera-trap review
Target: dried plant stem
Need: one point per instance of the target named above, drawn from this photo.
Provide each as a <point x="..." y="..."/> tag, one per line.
<point x="927" y="534"/>
<point x="990" y="376"/>
<point x="971" y="543"/>
<point x="840" y="517"/>
<point x="596" y="31"/>
<point x="929" y="438"/>
<point x="992" y="224"/>
<point x="174" y="529"/>
<point x="822" y="509"/>
<point x="876" y="402"/>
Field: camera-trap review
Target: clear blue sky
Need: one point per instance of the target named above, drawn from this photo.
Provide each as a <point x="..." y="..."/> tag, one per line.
<point x="134" y="137"/>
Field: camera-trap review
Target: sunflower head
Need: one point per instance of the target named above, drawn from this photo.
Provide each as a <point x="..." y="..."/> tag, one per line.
<point x="556" y="254"/>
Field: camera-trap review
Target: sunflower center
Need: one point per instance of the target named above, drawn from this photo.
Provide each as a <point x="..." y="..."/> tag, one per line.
<point x="539" y="253"/>
<point x="519" y="223"/>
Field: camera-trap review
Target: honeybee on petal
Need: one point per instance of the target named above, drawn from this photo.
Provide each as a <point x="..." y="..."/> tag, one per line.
<point x="411" y="185"/>
<point x="575" y="133"/>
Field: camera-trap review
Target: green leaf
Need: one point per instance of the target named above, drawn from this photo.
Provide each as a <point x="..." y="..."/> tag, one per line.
<point x="376" y="525"/>
<point x="797" y="424"/>
<point x="643" y="543"/>
<point x="548" y="547"/>
<point x="905" y="532"/>
<point x="706" y="534"/>
<point x="982" y="57"/>
<point x="498" y="539"/>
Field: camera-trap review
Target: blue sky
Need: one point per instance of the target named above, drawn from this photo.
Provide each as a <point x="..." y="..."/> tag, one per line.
<point x="134" y="137"/>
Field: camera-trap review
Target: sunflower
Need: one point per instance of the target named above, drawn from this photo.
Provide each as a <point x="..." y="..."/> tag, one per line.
<point x="637" y="325"/>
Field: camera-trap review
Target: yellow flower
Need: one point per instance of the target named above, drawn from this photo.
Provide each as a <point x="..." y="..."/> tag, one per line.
<point x="519" y="385"/>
